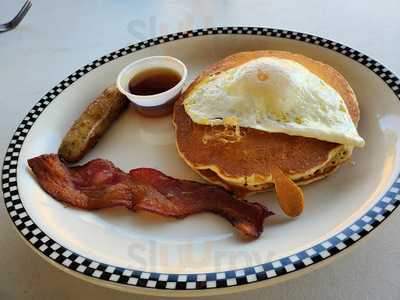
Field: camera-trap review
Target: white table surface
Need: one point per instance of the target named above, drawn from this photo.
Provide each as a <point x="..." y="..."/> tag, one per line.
<point x="58" y="37"/>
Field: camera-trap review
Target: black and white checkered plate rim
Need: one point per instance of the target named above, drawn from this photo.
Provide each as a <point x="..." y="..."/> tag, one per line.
<point x="88" y="267"/>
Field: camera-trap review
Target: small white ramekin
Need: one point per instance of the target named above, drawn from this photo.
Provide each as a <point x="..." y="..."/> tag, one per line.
<point x="157" y="104"/>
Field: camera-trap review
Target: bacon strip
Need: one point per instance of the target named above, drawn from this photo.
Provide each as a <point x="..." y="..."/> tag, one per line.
<point x="99" y="184"/>
<point x="180" y="198"/>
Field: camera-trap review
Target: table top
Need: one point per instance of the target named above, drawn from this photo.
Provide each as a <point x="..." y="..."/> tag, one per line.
<point x="56" y="38"/>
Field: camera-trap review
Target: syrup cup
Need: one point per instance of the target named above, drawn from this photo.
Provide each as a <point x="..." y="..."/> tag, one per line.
<point x="158" y="104"/>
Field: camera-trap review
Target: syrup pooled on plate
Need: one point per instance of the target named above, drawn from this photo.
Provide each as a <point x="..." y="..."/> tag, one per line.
<point x="153" y="81"/>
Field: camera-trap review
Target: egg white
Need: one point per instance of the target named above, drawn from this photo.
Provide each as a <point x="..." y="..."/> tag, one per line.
<point x="274" y="95"/>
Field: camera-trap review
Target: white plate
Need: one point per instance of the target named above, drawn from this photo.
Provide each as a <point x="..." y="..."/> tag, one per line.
<point x="202" y="253"/>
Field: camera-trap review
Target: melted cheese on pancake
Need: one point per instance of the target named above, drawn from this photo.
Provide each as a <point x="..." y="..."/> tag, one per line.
<point x="274" y="95"/>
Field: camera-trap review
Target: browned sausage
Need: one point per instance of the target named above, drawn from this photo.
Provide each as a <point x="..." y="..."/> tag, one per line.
<point x="92" y="124"/>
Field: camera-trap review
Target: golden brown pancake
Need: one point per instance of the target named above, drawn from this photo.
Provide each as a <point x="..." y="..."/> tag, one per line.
<point x="212" y="177"/>
<point x="243" y="162"/>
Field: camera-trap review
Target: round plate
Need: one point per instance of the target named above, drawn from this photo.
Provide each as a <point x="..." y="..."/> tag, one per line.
<point x="146" y="253"/>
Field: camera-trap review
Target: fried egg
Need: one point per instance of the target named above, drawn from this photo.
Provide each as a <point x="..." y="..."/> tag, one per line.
<point x="274" y="95"/>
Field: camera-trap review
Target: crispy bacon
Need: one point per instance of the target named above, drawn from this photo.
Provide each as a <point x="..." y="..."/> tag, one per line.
<point x="180" y="198"/>
<point x="99" y="184"/>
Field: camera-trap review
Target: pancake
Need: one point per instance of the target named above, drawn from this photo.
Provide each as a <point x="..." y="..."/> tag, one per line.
<point x="213" y="178"/>
<point x="243" y="161"/>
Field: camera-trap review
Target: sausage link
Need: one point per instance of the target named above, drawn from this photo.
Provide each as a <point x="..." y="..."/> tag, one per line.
<point x="92" y="124"/>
